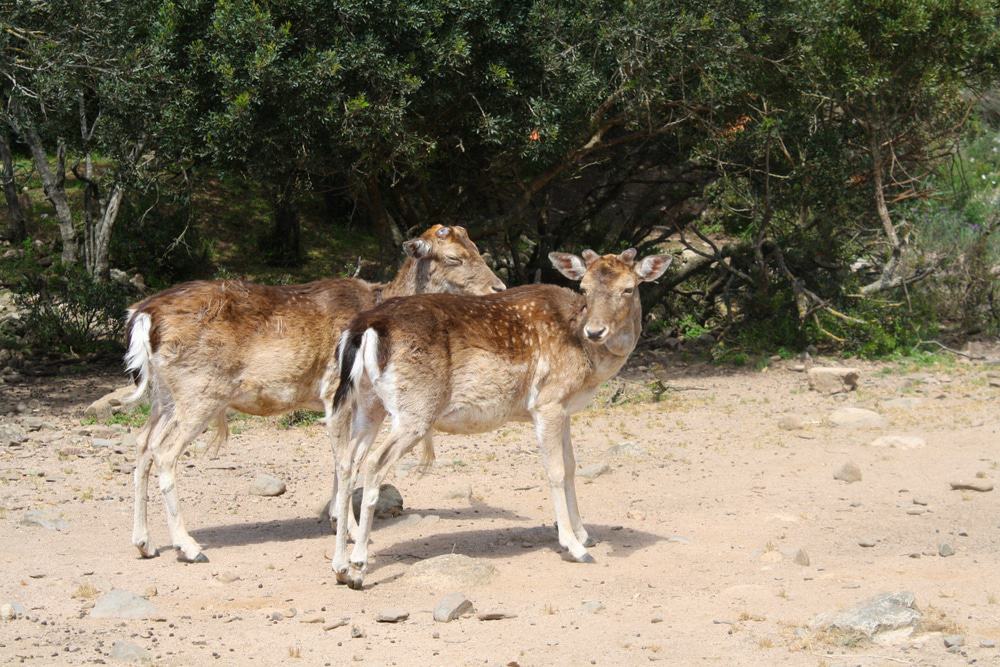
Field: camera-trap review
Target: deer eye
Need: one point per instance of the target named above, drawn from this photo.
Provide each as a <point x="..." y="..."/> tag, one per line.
<point x="452" y="260"/>
<point x="628" y="291"/>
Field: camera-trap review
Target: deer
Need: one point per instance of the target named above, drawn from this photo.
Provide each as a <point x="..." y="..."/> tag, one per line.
<point x="469" y="364"/>
<point x="202" y="348"/>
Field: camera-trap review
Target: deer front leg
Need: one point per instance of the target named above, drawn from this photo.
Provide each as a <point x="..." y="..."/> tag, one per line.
<point x="569" y="487"/>
<point x="550" y="424"/>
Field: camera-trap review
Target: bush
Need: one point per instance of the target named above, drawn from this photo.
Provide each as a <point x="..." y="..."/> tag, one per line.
<point x="65" y="310"/>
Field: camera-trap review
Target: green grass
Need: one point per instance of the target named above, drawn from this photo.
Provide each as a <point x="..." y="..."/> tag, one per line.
<point x="300" y="418"/>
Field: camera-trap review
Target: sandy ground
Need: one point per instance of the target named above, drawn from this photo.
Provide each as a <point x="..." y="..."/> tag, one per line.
<point x="697" y="533"/>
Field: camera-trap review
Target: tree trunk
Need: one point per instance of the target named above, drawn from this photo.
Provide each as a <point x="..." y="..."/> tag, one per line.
<point x="17" y="217"/>
<point x="98" y="263"/>
<point x="286" y="235"/>
<point x="887" y="279"/>
<point x="54" y="185"/>
<point x="390" y="240"/>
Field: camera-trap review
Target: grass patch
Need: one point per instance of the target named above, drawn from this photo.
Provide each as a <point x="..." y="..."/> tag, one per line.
<point x="298" y="418"/>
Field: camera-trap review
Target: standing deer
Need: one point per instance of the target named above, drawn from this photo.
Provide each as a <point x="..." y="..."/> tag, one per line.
<point x="204" y="347"/>
<point x="464" y="364"/>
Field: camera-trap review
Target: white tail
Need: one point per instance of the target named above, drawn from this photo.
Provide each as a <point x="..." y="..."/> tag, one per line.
<point x="139" y="354"/>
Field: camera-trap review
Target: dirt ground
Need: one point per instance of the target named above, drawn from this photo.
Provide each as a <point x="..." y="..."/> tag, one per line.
<point x="697" y="527"/>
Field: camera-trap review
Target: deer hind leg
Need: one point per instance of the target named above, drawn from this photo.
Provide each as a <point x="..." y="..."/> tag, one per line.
<point x="189" y="425"/>
<point x="157" y="427"/>
<point x="550" y="426"/>
<point x="365" y="422"/>
<point x="221" y="437"/>
<point x="406" y="433"/>
<point x="339" y="430"/>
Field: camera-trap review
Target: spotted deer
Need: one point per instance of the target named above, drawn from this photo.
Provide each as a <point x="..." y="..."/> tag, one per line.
<point x="202" y="348"/>
<point x="463" y="364"/>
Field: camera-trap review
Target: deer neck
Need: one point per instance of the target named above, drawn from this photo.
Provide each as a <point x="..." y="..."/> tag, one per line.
<point x="409" y="280"/>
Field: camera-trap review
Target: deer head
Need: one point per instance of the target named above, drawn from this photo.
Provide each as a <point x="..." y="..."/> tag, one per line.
<point x="448" y="261"/>
<point x="609" y="284"/>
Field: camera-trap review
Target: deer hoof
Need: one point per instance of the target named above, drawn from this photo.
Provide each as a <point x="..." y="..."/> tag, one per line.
<point x="200" y="557"/>
<point x="589" y="542"/>
<point x="145" y="551"/>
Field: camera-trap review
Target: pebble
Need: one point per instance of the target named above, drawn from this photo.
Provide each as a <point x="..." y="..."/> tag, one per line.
<point x="392" y="616"/>
<point x="945" y="550"/>
<point x="954" y="640"/>
<point x="866" y="542"/>
<point x="980" y="485"/>
<point x="987" y="643"/>
<point x="849" y="472"/>
<point x="791" y="423"/>
<point x="593" y="471"/>
<point x="801" y="558"/>
<point x="119" y="603"/>
<point x="356" y="632"/>
<point x="592" y="606"/>
<point x="494" y="616"/>
<point x="451" y="606"/>
<point x="266" y="485"/>
<point x="857" y="418"/>
<point x="919" y="501"/>
<point x="629" y="449"/>
<point x="336" y="624"/>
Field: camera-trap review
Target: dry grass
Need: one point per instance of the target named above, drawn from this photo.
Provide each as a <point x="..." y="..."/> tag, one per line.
<point x="86" y="592"/>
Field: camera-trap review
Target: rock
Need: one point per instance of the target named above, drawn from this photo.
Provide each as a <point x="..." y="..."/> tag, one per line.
<point x="791" y="423"/>
<point x="450" y="572"/>
<point x="10" y="611"/>
<point x="980" y="485"/>
<point x="109" y="404"/>
<point x="451" y="606"/>
<point x="866" y="542"/>
<point x="12" y="434"/>
<point x="987" y="643"/>
<point x="356" y="632"/>
<point x="592" y="606"/>
<point x="849" y="472"/>
<point x="124" y="651"/>
<point x="857" y="418"/>
<point x="903" y="402"/>
<point x="899" y="441"/>
<point x="119" y="603"/>
<point x="945" y="550"/>
<point x="919" y="501"/>
<point x="44" y="520"/>
<point x="833" y="380"/>
<point x="888" y="612"/>
<point x="954" y="640"/>
<point x="336" y="624"/>
<point x="392" y="616"/>
<point x="628" y="449"/>
<point x="801" y="558"/>
<point x="494" y="616"/>
<point x="593" y="471"/>
<point x="390" y="502"/>
<point x="266" y="485"/>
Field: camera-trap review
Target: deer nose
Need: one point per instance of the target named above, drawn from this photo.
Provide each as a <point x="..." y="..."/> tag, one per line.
<point x="596" y="335"/>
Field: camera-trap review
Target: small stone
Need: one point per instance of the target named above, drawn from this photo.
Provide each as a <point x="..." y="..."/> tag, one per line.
<point x="973" y="485"/>
<point x="451" y="606"/>
<point x="627" y="449"/>
<point x="392" y="616"/>
<point x="656" y="619"/>
<point x="919" y="501"/>
<point x="356" y="632"/>
<point x="119" y="603"/>
<point x="124" y="651"/>
<point x="336" y="624"/>
<point x="592" y="606"/>
<point x="227" y="577"/>
<point x="791" y="423"/>
<point x="987" y="643"/>
<point x="109" y="404"/>
<point x="312" y="619"/>
<point x="899" y="442"/>
<point x="888" y="612"/>
<point x="276" y="616"/>
<point x="801" y="558"/>
<point x="849" y="472"/>
<point x="450" y="572"/>
<point x="7" y="612"/>
<point x="857" y="418"/>
<point x="43" y="520"/>
<point x="388" y="505"/>
<point x="593" y="471"/>
<point x="832" y="380"/>
<point x="945" y="550"/>
<point x="866" y="542"/>
<point x="266" y="485"/>
<point x="953" y="640"/>
<point x="494" y="616"/>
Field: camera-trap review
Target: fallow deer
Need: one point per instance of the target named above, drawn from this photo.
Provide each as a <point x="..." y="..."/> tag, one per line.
<point x="462" y="364"/>
<point x="204" y="347"/>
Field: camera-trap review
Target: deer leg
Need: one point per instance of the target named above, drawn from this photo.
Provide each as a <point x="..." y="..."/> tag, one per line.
<point x="374" y="469"/>
<point x="152" y="433"/>
<point x="569" y="489"/>
<point x="550" y="425"/>
<point x="365" y="424"/>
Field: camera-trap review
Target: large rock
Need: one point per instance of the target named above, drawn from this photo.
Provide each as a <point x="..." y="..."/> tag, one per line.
<point x="390" y="502"/>
<point x="267" y="485"/>
<point x="857" y="418"/>
<point x="118" y="603"/>
<point x="450" y="572"/>
<point x="981" y="485"/>
<point x="109" y="404"/>
<point x="124" y="651"/>
<point x="12" y="434"/>
<point x="894" y="613"/>
<point x="833" y="380"/>
<point x="43" y="520"/>
<point x="899" y="441"/>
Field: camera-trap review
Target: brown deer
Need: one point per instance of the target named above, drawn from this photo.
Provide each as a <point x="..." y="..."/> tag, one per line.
<point x="462" y="364"/>
<point x="204" y="347"/>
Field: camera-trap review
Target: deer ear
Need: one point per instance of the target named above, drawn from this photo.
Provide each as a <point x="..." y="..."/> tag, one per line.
<point x="628" y="256"/>
<point x="417" y="248"/>
<point x="443" y="232"/>
<point x="652" y="267"/>
<point x="589" y="257"/>
<point x="568" y="264"/>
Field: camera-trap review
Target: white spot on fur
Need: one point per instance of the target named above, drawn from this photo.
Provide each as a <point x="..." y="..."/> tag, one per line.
<point x="139" y="354"/>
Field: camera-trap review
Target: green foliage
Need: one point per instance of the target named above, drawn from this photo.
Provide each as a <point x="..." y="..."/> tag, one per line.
<point x="298" y="418"/>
